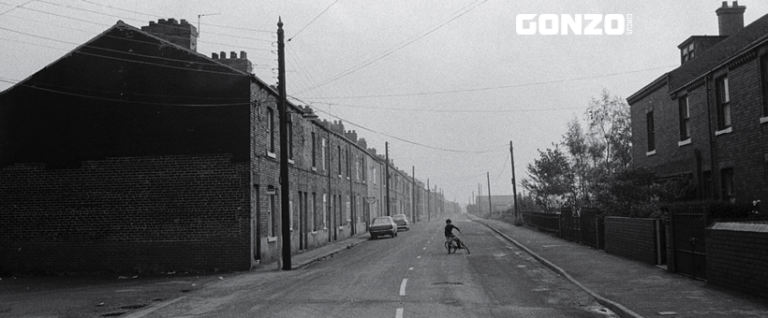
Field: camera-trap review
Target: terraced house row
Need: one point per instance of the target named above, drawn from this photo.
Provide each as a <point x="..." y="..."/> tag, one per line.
<point x="133" y="152"/>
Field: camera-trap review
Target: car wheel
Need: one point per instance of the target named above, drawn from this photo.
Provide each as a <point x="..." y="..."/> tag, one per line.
<point x="373" y="237"/>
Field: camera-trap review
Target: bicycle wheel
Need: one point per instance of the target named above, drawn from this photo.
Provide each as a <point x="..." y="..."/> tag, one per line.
<point x="464" y="246"/>
<point x="450" y="247"/>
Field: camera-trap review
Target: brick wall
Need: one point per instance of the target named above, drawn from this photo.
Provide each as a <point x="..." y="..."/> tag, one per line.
<point x="738" y="260"/>
<point x="631" y="238"/>
<point x="126" y="214"/>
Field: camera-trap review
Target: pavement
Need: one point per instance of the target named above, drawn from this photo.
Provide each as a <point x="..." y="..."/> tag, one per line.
<point x="631" y="289"/>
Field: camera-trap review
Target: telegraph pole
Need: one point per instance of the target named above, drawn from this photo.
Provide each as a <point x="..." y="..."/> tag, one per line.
<point x="514" y="181"/>
<point x="285" y="218"/>
<point x="386" y="148"/>
<point x="414" y="215"/>
<point x="490" y="206"/>
<point x="429" y="194"/>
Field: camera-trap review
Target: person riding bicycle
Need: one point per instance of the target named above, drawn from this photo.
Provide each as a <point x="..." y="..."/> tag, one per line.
<point x="449" y="232"/>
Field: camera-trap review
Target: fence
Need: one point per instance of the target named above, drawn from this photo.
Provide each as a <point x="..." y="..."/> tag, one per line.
<point x="585" y="228"/>
<point x="545" y="222"/>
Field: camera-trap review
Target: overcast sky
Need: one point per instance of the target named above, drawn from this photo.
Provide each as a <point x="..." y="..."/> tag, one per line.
<point x="448" y="83"/>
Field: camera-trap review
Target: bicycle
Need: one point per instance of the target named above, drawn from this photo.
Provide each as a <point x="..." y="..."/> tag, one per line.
<point x="453" y="245"/>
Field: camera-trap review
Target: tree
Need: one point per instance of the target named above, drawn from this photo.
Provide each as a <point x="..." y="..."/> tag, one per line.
<point x="610" y="126"/>
<point x="550" y="180"/>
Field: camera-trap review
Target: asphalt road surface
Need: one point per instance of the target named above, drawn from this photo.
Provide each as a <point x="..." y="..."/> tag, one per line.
<point x="411" y="275"/>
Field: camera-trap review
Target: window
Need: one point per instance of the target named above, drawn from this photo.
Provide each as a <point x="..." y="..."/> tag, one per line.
<point x="322" y="155"/>
<point x="688" y="53"/>
<point x="728" y="192"/>
<point x="363" y="168"/>
<point x="357" y="169"/>
<point x="651" y="132"/>
<point x="290" y="139"/>
<point x="271" y="129"/>
<point x="764" y="71"/>
<point x="325" y="211"/>
<point x="272" y="219"/>
<point x="339" y="151"/>
<point x="723" y="103"/>
<point x="685" y="119"/>
<point x="314" y="151"/>
<point x="313" y="210"/>
<point x="373" y="174"/>
<point x="707" y="180"/>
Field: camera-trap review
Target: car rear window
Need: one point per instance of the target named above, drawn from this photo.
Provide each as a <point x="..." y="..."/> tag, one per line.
<point x="377" y="221"/>
<point x="399" y="217"/>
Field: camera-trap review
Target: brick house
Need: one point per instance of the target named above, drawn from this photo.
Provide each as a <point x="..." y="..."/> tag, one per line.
<point x="706" y="122"/>
<point x="133" y="152"/>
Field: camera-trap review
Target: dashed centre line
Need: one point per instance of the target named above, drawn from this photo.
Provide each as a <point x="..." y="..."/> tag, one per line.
<point x="399" y="313"/>
<point x="402" y="286"/>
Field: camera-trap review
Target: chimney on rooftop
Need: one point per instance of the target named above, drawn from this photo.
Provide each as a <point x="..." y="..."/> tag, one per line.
<point x="730" y="19"/>
<point x="179" y="33"/>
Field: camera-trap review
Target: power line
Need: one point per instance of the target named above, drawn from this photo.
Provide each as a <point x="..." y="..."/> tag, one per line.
<point x="16" y="7"/>
<point x="122" y="100"/>
<point x="405" y="140"/>
<point x="501" y="86"/>
<point x="404" y="43"/>
<point x="107" y="25"/>
<point x="313" y="20"/>
<point x="156" y="16"/>
<point x="449" y="110"/>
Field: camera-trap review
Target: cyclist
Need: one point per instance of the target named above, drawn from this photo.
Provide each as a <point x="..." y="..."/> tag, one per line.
<point x="449" y="232"/>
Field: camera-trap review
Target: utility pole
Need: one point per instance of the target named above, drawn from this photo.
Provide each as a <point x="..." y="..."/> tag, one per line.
<point x="285" y="202"/>
<point x="490" y="206"/>
<point x="429" y="194"/>
<point x="514" y="181"/>
<point x="386" y="148"/>
<point x="414" y="215"/>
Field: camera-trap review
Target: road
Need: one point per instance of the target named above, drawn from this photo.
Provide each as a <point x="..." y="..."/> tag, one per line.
<point x="411" y="275"/>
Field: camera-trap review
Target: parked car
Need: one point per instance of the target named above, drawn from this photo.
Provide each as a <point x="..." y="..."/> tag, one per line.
<point x="383" y="225"/>
<point x="402" y="221"/>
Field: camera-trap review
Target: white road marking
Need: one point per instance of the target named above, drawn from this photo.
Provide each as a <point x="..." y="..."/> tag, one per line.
<point x="424" y="248"/>
<point x="410" y="269"/>
<point x="399" y="313"/>
<point x="402" y="286"/>
<point x="418" y="256"/>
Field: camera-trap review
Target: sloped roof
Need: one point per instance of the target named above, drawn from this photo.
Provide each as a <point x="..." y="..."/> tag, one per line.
<point x="716" y="55"/>
<point x="719" y="53"/>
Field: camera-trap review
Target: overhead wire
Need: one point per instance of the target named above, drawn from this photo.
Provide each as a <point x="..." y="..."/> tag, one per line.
<point x="313" y="20"/>
<point x="502" y="86"/>
<point x="156" y="16"/>
<point x="404" y="43"/>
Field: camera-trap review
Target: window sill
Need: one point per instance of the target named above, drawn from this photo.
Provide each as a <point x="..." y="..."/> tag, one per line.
<point x="291" y="161"/>
<point x="684" y="142"/>
<point x="650" y="153"/>
<point x="271" y="155"/>
<point x="271" y="239"/>
<point x="313" y="232"/>
<point x="724" y="131"/>
<point x="764" y="120"/>
<point x="314" y="169"/>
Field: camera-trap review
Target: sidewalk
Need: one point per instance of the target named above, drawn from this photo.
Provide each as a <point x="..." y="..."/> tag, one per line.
<point x="129" y="295"/>
<point x="629" y="288"/>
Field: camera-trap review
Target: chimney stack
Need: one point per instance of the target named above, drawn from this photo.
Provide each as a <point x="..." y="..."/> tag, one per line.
<point x="182" y="34"/>
<point x="730" y="19"/>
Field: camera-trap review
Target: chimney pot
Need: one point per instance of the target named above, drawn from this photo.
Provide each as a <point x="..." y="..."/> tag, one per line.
<point x="243" y="55"/>
<point x="232" y="55"/>
<point x="223" y="55"/>
<point x="215" y="56"/>
<point x="730" y="19"/>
